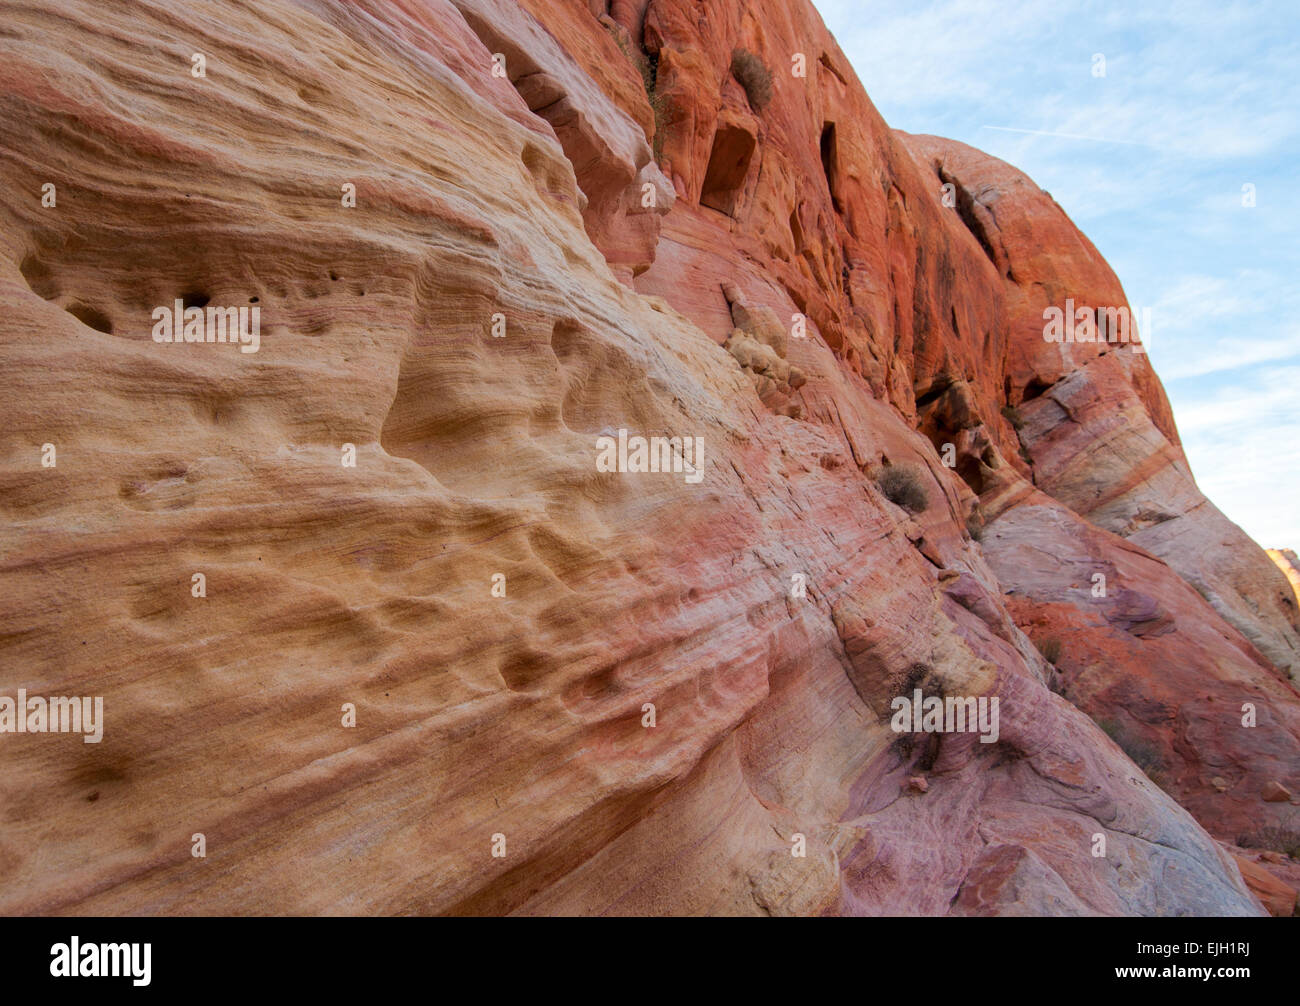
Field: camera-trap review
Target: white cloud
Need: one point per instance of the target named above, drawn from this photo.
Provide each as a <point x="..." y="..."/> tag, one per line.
<point x="1243" y="443"/>
<point x="1227" y="354"/>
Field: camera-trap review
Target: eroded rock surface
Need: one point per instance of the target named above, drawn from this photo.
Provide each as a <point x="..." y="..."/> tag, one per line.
<point x="499" y="297"/>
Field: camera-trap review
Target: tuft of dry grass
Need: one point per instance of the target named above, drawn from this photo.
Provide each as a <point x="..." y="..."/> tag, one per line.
<point x="902" y="485"/>
<point x="751" y="74"/>
<point x="1143" y="754"/>
<point x="1279" y="839"/>
<point x="1050" y="648"/>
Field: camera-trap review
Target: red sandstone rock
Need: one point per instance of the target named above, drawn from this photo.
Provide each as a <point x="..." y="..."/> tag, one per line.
<point x="875" y="325"/>
<point x="1275" y="792"/>
<point x="589" y="96"/>
<point x="1276" y="895"/>
<point x="1096" y="425"/>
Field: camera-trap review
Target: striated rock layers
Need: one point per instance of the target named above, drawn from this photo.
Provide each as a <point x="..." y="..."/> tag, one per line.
<point x="365" y="615"/>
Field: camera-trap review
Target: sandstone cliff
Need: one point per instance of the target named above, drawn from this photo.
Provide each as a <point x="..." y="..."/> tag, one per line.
<point x="568" y="219"/>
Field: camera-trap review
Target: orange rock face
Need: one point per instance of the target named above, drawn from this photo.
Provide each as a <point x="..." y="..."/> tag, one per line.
<point x="1278" y="896"/>
<point x="377" y="624"/>
<point x="1285" y="560"/>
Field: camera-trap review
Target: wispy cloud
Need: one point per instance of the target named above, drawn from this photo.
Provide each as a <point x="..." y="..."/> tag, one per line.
<point x="1243" y="443"/>
<point x="1065" y="136"/>
<point x="1226" y="355"/>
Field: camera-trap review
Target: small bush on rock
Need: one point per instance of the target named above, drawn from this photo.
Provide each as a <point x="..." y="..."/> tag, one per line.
<point x="753" y="76"/>
<point x="1050" y="648"/>
<point x="903" y="486"/>
<point x="1144" y="755"/>
<point x="1278" y="839"/>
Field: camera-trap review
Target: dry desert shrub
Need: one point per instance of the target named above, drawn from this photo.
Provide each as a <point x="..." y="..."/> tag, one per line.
<point x="902" y="484"/>
<point x="753" y="76"/>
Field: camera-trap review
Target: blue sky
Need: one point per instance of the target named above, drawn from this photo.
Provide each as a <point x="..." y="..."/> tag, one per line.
<point x="1198" y="99"/>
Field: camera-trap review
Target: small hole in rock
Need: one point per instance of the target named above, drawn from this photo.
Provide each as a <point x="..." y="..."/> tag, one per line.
<point x="87" y="315"/>
<point x="334" y="276"/>
<point x="1034" y="389"/>
<point x="39" y="277"/>
<point x="253" y="300"/>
